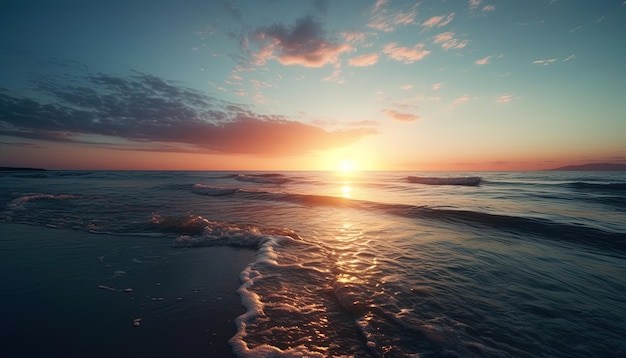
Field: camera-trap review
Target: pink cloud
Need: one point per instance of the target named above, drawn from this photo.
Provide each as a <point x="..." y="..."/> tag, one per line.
<point x="438" y="21"/>
<point x="354" y="37"/>
<point x="504" y="98"/>
<point x="387" y="20"/>
<point x="448" y="41"/>
<point x="464" y="98"/>
<point x="483" y="61"/>
<point x="364" y="60"/>
<point x="405" y="54"/>
<point x="399" y="116"/>
<point x="302" y="44"/>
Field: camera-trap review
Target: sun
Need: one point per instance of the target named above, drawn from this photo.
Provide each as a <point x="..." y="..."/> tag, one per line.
<point x="347" y="166"/>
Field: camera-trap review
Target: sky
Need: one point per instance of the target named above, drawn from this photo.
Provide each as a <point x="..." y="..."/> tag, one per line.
<point x="312" y="84"/>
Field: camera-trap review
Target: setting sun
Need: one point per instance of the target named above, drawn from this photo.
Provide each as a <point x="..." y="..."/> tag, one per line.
<point x="347" y="165"/>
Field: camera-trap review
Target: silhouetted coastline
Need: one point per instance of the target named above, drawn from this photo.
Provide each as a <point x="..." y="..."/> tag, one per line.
<point x="593" y="167"/>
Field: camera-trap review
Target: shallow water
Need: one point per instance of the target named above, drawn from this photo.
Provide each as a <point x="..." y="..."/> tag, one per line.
<point x="369" y="264"/>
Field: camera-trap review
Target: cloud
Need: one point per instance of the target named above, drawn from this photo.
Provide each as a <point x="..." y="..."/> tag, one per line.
<point x="354" y="37"/>
<point x="448" y="41"/>
<point x="146" y="109"/>
<point x="474" y="3"/>
<point x="483" y="61"/>
<point x="405" y="54"/>
<point x="386" y="20"/>
<point x="364" y="60"/>
<point x="407" y="87"/>
<point x="504" y="98"/>
<point x="489" y="8"/>
<point x="545" y="62"/>
<point x="302" y="44"/>
<point x="569" y="58"/>
<point x="437" y="86"/>
<point x="399" y="116"/>
<point x="464" y="98"/>
<point x="438" y="21"/>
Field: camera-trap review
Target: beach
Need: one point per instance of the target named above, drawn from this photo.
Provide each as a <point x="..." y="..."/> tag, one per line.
<point x="77" y="294"/>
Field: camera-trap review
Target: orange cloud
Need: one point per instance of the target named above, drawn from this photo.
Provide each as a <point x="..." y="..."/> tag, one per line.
<point x="405" y="54"/>
<point x="148" y="111"/>
<point x="399" y="116"/>
<point x="364" y="60"/>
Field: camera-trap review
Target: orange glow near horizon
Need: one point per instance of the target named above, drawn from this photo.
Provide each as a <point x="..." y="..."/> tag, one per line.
<point x="344" y="162"/>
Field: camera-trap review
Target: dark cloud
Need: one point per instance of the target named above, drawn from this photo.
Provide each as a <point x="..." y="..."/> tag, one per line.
<point x="302" y="44"/>
<point x="145" y="108"/>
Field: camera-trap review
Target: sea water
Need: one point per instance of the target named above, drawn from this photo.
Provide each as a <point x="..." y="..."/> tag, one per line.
<point x="526" y="264"/>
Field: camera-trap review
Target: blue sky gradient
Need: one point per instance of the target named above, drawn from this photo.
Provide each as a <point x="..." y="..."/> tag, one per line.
<point x="277" y="84"/>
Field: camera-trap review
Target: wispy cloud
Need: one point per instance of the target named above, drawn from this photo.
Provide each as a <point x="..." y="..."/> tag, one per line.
<point x="464" y="98"/>
<point x="505" y="98"/>
<point x="399" y="116"/>
<point x="437" y="86"/>
<point x="449" y="42"/>
<point x="302" y="44"/>
<point x="364" y="60"/>
<point x="474" y="3"/>
<point x="405" y="54"/>
<point x="146" y="109"/>
<point x="545" y="62"/>
<point x="438" y="21"/>
<point x="489" y="8"/>
<point x="569" y="58"/>
<point x="354" y="36"/>
<point x="386" y="20"/>
<point x="483" y="61"/>
<point x="576" y="28"/>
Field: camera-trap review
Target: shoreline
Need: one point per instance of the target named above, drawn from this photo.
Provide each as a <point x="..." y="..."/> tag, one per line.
<point x="70" y="293"/>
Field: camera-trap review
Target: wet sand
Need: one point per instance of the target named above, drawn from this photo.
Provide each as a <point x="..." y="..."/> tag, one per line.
<point x="67" y="293"/>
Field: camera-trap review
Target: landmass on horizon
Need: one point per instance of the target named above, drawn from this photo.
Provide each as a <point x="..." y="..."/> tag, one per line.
<point x="592" y="167"/>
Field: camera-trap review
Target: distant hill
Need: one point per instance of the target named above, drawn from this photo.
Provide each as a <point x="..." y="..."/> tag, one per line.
<point x="593" y="167"/>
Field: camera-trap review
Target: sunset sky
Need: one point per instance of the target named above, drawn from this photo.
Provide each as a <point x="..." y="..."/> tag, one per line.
<point x="282" y="84"/>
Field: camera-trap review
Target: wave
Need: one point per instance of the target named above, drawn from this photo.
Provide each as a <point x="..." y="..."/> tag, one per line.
<point x="20" y="202"/>
<point x="569" y="232"/>
<point x="196" y="230"/>
<point x="270" y="178"/>
<point x="212" y="190"/>
<point x="466" y="181"/>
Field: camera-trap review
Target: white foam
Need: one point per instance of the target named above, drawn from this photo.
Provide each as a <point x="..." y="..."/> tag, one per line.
<point x="19" y="203"/>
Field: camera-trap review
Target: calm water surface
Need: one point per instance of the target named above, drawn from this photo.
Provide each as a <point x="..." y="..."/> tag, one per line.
<point x="527" y="264"/>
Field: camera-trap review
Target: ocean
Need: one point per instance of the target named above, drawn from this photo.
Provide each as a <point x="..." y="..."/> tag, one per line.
<point x="312" y="264"/>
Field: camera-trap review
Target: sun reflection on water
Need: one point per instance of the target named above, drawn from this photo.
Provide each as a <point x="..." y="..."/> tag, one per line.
<point x="346" y="189"/>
